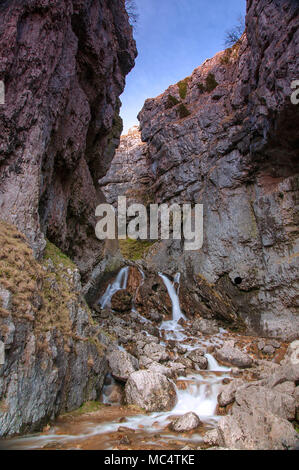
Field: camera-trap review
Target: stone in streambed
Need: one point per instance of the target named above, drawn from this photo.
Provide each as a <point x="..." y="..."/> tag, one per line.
<point x="150" y="390"/>
<point x="187" y="422"/>
<point x="198" y="358"/>
<point x="228" y="354"/>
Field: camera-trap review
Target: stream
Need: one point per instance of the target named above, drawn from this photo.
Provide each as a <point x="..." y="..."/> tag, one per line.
<point x="106" y="427"/>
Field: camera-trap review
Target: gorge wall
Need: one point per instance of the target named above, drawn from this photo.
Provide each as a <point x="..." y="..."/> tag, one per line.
<point x="64" y="64"/>
<point x="227" y="137"/>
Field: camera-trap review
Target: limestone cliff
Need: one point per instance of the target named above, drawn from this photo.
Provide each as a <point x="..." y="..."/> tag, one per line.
<point x="227" y="137"/>
<point x="64" y="65"/>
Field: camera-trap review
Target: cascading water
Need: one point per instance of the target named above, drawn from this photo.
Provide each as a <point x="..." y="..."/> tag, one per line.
<point x="197" y="392"/>
<point x="119" y="283"/>
<point x="177" y="314"/>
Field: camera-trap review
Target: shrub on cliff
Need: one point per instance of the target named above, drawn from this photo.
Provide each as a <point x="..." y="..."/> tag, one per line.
<point x="171" y="102"/>
<point x="183" y="111"/>
<point x="183" y="87"/>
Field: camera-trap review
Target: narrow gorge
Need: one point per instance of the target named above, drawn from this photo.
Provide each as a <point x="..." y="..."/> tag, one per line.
<point x="141" y="344"/>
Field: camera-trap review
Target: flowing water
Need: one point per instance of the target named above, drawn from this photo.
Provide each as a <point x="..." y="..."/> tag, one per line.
<point x="197" y="392"/>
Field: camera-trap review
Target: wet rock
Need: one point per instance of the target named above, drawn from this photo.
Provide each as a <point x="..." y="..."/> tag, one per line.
<point x="122" y="364"/>
<point x="228" y="354"/>
<point x="151" y="391"/>
<point x="121" y="301"/>
<point x="115" y="394"/>
<point x="197" y="357"/>
<point x="187" y="422"/>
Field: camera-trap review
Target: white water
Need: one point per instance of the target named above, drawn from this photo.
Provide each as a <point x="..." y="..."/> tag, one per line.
<point x="177" y="314"/>
<point x="119" y="283"/>
<point x="200" y="393"/>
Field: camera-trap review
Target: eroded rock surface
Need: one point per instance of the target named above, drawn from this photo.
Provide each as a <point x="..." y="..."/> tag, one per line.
<point x="151" y="391"/>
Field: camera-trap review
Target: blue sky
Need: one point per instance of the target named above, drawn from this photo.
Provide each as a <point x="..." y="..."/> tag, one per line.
<point x="173" y="38"/>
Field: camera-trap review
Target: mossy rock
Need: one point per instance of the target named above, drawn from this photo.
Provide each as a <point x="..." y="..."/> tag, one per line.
<point x="171" y="102"/>
<point x="134" y="249"/>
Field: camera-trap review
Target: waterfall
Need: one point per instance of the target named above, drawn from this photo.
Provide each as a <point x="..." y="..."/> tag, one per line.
<point x="176" y="309"/>
<point x="119" y="283"/>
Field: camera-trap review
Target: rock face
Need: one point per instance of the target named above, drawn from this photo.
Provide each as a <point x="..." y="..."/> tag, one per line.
<point x="128" y="174"/>
<point x="151" y="391"/>
<point x="54" y="358"/>
<point x="231" y="144"/>
<point x="64" y="65"/>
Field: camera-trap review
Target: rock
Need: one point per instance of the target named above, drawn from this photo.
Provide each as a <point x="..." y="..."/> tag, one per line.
<point x="228" y="354"/>
<point x="292" y="354"/>
<point x="122" y="364"/>
<point x="121" y="301"/>
<point x="227" y="395"/>
<point x="6" y="297"/>
<point x="252" y="397"/>
<point x="2" y="353"/>
<point x="156" y="352"/>
<point x="151" y="391"/>
<point x="197" y="356"/>
<point x="261" y="344"/>
<point x="161" y="369"/>
<point x="187" y="422"/>
<point x="207" y="327"/>
<point x="115" y="394"/>
<point x="268" y="349"/>
<point x="285" y="387"/>
<point x="211" y="438"/>
<point x="273" y="342"/>
<point x="258" y="430"/>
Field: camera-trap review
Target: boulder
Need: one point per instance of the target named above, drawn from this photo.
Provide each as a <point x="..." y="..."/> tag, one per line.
<point x="211" y="438"/>
<point x="156" y="352"/>
<point x="258" y="430"/>
<point x="228" y="354"/>
<point x="187" y="422"/>
<point x="121" y="301"/>
<point x="227" y="395"/>
<point x="151" y="391"/>
<point x="122" y="364"/>
<point x="197" y="357"/>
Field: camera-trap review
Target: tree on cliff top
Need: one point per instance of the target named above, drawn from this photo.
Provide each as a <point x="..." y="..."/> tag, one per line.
<point x="233" y="35"/>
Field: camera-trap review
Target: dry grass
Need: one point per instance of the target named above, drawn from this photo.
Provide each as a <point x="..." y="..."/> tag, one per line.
<point x="40" y="295"/>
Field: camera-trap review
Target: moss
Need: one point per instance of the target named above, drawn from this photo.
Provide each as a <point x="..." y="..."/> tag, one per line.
<point x="171" y="102"/>
<point x="134" y="249"/>
<point x="55" y="254"/>
<point x="183" y="87"/>
<point x="87" y="407"/>
<point x="183" y="111"/>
